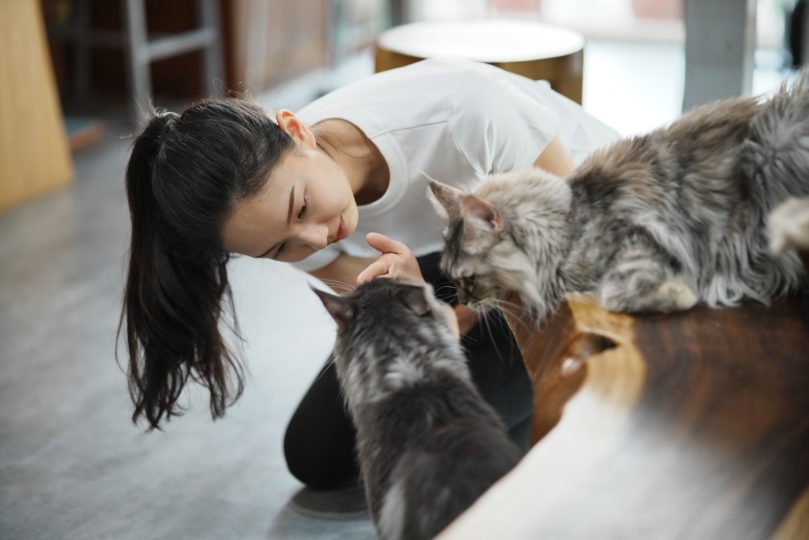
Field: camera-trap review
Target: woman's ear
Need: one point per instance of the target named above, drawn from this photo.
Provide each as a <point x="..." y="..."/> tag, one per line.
<point x="295" y="128"/>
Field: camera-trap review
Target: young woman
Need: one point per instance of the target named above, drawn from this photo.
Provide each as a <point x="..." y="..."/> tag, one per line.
<point x="339" y="190"/>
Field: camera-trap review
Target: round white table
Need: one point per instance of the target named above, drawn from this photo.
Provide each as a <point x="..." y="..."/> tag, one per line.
<point x="529" y="48"/>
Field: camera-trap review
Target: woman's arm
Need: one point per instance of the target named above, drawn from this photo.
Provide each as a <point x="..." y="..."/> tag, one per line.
<point x="555" y="158"/>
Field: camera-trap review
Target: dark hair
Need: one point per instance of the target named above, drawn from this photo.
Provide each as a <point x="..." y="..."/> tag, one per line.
<point x="183" y="176"/>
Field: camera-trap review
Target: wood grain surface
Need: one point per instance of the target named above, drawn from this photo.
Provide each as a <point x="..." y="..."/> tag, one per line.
<point x="34" y="153"/>
<point x="692" y="425"/>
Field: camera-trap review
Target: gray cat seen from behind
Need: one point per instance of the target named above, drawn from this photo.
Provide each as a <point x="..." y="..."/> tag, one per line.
<point x="649" y="224"/>
<point x="427" y="443"/>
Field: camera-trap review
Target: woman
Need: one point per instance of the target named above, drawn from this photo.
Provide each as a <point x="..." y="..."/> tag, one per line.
<point x="316" y="189"/>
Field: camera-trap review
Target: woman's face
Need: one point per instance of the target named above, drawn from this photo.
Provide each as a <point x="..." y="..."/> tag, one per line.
<point x="306" y="204"/>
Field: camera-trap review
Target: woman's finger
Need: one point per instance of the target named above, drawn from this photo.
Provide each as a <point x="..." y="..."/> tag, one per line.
<point x="379" y="267"/>
<point x="383" y="244"/>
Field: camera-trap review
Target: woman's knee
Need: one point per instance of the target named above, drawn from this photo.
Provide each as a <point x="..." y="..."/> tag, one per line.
<point x="319" y="440"/>
<point x="319" y="464"/>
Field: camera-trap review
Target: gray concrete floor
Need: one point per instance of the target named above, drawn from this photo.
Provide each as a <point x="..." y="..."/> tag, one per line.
<point x="72" y="466"/>
<point x="71" y="463"/>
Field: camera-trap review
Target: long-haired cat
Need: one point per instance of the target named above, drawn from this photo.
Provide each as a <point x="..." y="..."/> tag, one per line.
<point x="427" y="443"/>
<point x="653" y="223"/>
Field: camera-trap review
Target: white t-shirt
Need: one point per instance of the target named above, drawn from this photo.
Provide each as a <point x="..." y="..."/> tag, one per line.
<point x="456" y="121"/>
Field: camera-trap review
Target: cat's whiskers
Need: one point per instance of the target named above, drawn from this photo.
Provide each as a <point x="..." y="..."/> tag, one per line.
<point x="445" y="288"/>
<point x="515" y="311"/>
<point x="331" y="360"/>
<point x="487" y="321"/>
<point x="339" y="286"/>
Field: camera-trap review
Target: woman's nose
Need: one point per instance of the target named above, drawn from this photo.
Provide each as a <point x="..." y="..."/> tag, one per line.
<point x="316" y="236"/>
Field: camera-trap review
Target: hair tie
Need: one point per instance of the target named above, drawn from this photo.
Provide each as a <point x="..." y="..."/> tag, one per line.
<point x="161" y="125"/>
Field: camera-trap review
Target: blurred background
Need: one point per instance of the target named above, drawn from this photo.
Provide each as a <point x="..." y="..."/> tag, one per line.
<point x="264" y="44"/>
<point x="75" y="75"/>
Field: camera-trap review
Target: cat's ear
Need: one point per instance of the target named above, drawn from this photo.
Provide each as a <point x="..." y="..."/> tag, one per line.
<point x="446" y="199"/>
<point x="340" y="308"/>
<point x="415" y="298"/>
<point x="481" y="213"/>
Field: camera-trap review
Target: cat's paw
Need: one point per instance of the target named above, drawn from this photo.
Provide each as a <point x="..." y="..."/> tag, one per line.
<point x="669" y="296"/>
<point x="677" y="295"/>
<point x="788" y="225"/>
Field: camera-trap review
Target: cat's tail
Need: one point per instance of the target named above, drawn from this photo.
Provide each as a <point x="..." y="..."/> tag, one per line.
<point x="776" y="153"/>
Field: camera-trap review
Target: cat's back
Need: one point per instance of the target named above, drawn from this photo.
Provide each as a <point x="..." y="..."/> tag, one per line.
<point x="682" y="185"/>
<point x="435" y="482"/>
<point x="699" y="143"/>
<point x="446" y="446"/>
<point x="684" y="177"/>
<point x="431" y="399"/>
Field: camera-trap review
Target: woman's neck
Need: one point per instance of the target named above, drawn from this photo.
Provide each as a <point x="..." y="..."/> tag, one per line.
<point x="360" y="159"/>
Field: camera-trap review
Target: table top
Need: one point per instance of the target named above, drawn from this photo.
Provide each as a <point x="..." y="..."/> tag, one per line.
<point x="688" y="425"/>
<point x="483" y="40"/>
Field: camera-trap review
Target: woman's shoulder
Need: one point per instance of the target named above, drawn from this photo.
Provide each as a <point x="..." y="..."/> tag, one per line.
<point x="414" y="95"/>
<point x="418" y="81"/>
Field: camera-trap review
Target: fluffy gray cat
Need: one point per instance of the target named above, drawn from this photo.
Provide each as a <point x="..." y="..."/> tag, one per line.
<point x="428" y="444"/>
<point x="649" y="224"/>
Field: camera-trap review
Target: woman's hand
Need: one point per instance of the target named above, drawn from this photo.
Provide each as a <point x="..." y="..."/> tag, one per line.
<point x="396" y="261"/>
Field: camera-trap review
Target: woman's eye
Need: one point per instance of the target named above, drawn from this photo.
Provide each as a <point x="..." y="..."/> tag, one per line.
<point x="302" y="211"/>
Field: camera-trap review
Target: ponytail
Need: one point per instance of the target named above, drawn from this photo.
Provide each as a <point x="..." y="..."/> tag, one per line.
<point x="171" y="306"/>
<point x="182" y="176"/>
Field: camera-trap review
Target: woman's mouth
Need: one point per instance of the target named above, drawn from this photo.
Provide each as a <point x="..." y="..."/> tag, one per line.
<point x="341" y="232"/>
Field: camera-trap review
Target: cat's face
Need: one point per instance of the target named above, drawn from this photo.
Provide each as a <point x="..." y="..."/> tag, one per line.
<point x="508" y="238"/>
<point x="390" y="334"/>
<point x="480" y="254"/>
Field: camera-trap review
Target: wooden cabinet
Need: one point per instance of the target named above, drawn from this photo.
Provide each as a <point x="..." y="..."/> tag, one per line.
<point x="268" y="43"/>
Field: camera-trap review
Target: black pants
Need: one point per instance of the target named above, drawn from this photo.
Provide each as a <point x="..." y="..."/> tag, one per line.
<point x="319" y="441"/>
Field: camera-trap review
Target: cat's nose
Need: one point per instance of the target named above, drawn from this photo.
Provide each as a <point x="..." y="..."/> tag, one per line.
<point x="467" y="284"/>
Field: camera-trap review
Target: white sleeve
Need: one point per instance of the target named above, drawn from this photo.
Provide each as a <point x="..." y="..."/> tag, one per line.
<point x="497" y="126"/>
<point x="318" y="259"/>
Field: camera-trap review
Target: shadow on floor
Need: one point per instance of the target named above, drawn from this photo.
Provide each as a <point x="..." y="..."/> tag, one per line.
<point x="333" y="514"/>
